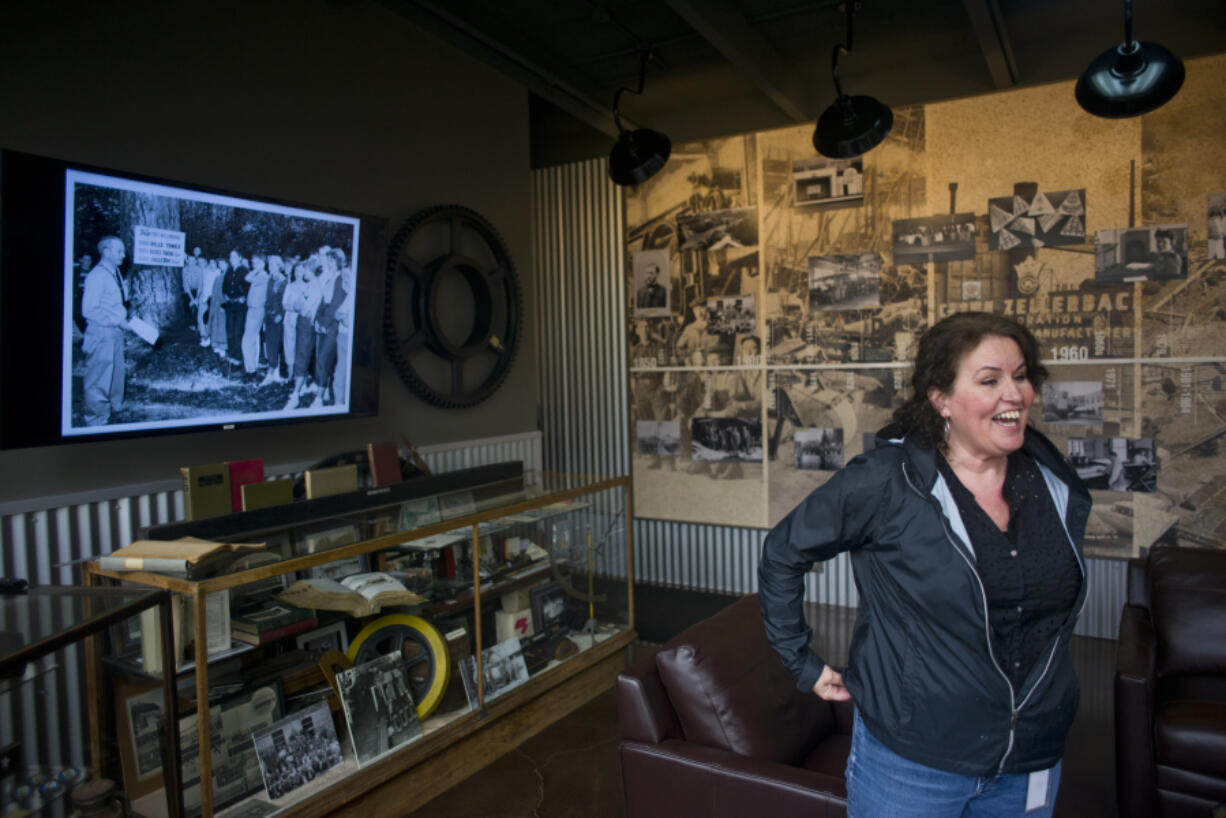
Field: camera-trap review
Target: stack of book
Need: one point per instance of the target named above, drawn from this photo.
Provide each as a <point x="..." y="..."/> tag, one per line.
<point x="269" y="622"/>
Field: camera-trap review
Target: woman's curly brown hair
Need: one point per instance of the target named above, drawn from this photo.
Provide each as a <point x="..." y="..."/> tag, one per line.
<point x="941" y="349"/>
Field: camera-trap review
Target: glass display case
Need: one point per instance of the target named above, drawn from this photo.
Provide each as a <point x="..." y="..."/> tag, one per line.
<point x="41" y="630"/>
<point x="340" y="687"/>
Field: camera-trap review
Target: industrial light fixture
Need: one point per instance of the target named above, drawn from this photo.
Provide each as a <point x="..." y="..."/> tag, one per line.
<point x="639" y="154"/>
<point x="852" y="125"/>
<point x="1131" y="79"/>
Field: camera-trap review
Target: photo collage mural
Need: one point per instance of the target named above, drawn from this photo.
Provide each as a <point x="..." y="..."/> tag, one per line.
<point x="776" y="297"/>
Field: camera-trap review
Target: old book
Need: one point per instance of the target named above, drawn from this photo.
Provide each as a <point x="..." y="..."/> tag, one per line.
<point x="217" y="635"/>
<point x="243" y="472"/>
<point x="357" y="595"/>
<point x="206" y="491"/>
<point x="384" y="463"/>
<point x="182" y="556"/>
<point x="268" y="493"/>
<point x="268" y="616"/>
<point x="334" y="480"/>
<point x="266" y="636"/>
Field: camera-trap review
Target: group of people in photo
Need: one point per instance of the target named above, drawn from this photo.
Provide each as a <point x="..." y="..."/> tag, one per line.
<point x="298" y="759"/>
<point x="284" y="316"/>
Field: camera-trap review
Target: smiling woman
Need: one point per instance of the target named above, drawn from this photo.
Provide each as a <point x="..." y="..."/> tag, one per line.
<point x="964" y="527"/>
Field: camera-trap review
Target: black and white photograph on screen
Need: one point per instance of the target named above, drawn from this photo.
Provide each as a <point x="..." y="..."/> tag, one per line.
<point x="378" y="707"/>
<point x="847" y="281"/>
<point x="1079" y="402"/>
<point x="817" y="180"/>
<point x="819" y="449"/>
<point x="652" y="284"/>
<point x="1217" y="225"/>
<point x="718" y="229"/>
<point x="232" y="722"/>
<point x="1156" y="253"/>
<point x="661" y="437"/>
<point x="1115" y="463"/>
<point x="503" y="669"/>
<point x="294" y="751"/>
<point x="1044" y="219"/>
<point x="733" y="440"/>
<point x="731" y="315"/>
<point x="934" y="238"/>
<point x="201" y="308"/>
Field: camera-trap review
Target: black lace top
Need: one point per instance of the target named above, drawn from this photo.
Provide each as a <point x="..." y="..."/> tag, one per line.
<point x="1030" y="573"/>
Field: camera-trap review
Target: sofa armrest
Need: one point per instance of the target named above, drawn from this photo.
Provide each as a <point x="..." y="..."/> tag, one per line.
<point x="644" y="711"/>
<point x="682" y="778"/>
<point x="1135" y="774"/>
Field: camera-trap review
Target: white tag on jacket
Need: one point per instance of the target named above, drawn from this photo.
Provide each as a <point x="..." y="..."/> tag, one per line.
<point x="1036" y="790"/>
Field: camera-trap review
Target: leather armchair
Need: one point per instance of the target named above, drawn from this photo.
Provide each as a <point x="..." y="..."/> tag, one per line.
<point x="713" y="725"/>
<point x="1170" y="685"/>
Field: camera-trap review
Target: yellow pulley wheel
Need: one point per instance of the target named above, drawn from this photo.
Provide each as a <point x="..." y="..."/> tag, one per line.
<point x="422" y="648"/>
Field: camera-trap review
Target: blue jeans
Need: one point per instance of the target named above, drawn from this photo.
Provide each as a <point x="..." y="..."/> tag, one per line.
<point x="883" y="784"/>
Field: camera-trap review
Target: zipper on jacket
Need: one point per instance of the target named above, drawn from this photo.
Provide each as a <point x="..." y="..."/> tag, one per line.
<point x="983" y="595"/>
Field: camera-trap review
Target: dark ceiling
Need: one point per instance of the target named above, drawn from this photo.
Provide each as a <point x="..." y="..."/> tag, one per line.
<point x="722" y="67"/>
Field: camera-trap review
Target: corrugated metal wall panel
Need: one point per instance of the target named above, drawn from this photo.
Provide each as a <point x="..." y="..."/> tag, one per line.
<point x="584" y="406"/>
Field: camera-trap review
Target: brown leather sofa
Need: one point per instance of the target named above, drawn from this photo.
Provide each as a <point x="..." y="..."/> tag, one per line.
<point x="1170" y="685"/>
<point x="713" y="725"/>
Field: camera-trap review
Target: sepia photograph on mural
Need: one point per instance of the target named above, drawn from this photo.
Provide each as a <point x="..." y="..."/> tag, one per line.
<point x="1216" y="223"/>
<point x="847" y="281"/>
<point x="934" y="238"/>
<point x="1073" y="402"/>
<point x="715" y="476"/>
<point x="1157" y="253"/>
<point x="818" y="180"/>
<point x="1184" y="408"/>
<point x="820" y="449"/>
<point x="1037" y="220"/>
<point x="850" y="402"/>
<point x="652" y="283"/>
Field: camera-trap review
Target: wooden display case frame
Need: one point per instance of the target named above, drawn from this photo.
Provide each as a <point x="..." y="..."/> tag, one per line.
<point x="428" y="766"/>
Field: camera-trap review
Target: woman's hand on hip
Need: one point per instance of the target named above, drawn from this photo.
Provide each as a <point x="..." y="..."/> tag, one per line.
<point x="829" y="686"/>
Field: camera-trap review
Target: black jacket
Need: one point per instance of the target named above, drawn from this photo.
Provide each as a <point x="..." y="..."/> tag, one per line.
<point x="922" y="672"/>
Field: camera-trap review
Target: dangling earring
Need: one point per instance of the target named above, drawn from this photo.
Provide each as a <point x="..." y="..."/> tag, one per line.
<point x="946" y="428"/>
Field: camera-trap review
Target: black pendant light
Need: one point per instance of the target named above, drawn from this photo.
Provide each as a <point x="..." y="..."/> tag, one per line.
<point x="640" y="154"/>
<point x="852" y="125"/>
<point x="1131" y="79"/>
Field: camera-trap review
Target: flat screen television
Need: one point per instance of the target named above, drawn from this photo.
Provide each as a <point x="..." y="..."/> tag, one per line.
<point x="132" y="305"/>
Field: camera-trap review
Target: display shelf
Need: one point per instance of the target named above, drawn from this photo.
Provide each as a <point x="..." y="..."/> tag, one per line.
<point x="502" y="545"/>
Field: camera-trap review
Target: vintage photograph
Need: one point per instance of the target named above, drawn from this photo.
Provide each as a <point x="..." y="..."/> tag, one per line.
<point x="378" y="707"/>
<point x="718" y="229"/>
<point x="231" y="725"/>
<point x="819" y="449"/>
<point x="817" y="180"/>
<point x="1079" y="402"/>
<point x="972" y="290"/>
<point x="844" y="282"/>
<point x="296" y="749"/>
<point x="180" y="306"/>
<point x="322" y="640"/>
<point x="548" y="607"/>
<point x="1115" y="463"/>
<point x="1157" y="253"/>
<point x="1040" y="220"/>
<point x="731" y="315"/>
<point x="726" y="440"/>
<point x="328" y="538"/>
<point x="934" y="238"/>
<point x="1217" y="225"/>
<point x="503" y="669"/>
<point x="652" y="283"/>
<point x="658" y="436"/>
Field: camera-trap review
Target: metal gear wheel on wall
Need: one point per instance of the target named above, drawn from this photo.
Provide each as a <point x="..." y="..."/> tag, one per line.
<point x="452" y="306"/>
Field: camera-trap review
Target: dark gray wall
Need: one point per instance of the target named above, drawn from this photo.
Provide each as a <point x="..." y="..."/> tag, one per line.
<point x="340" y="104"/>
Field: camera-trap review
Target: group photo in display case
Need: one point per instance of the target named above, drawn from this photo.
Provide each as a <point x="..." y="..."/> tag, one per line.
<point x="1108" y="249"/>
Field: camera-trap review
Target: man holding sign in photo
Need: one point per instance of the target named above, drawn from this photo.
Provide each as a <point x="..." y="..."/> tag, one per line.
<point x="105" y="310"/>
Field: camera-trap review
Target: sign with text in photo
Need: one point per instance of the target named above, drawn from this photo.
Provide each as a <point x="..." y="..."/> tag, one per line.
<point x="158" y="247"/>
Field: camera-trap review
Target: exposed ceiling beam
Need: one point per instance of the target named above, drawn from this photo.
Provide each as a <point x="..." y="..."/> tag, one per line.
<point x="548" y="83"/>
<point x="719" y="22"/>
<point x="989" y="28"/>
